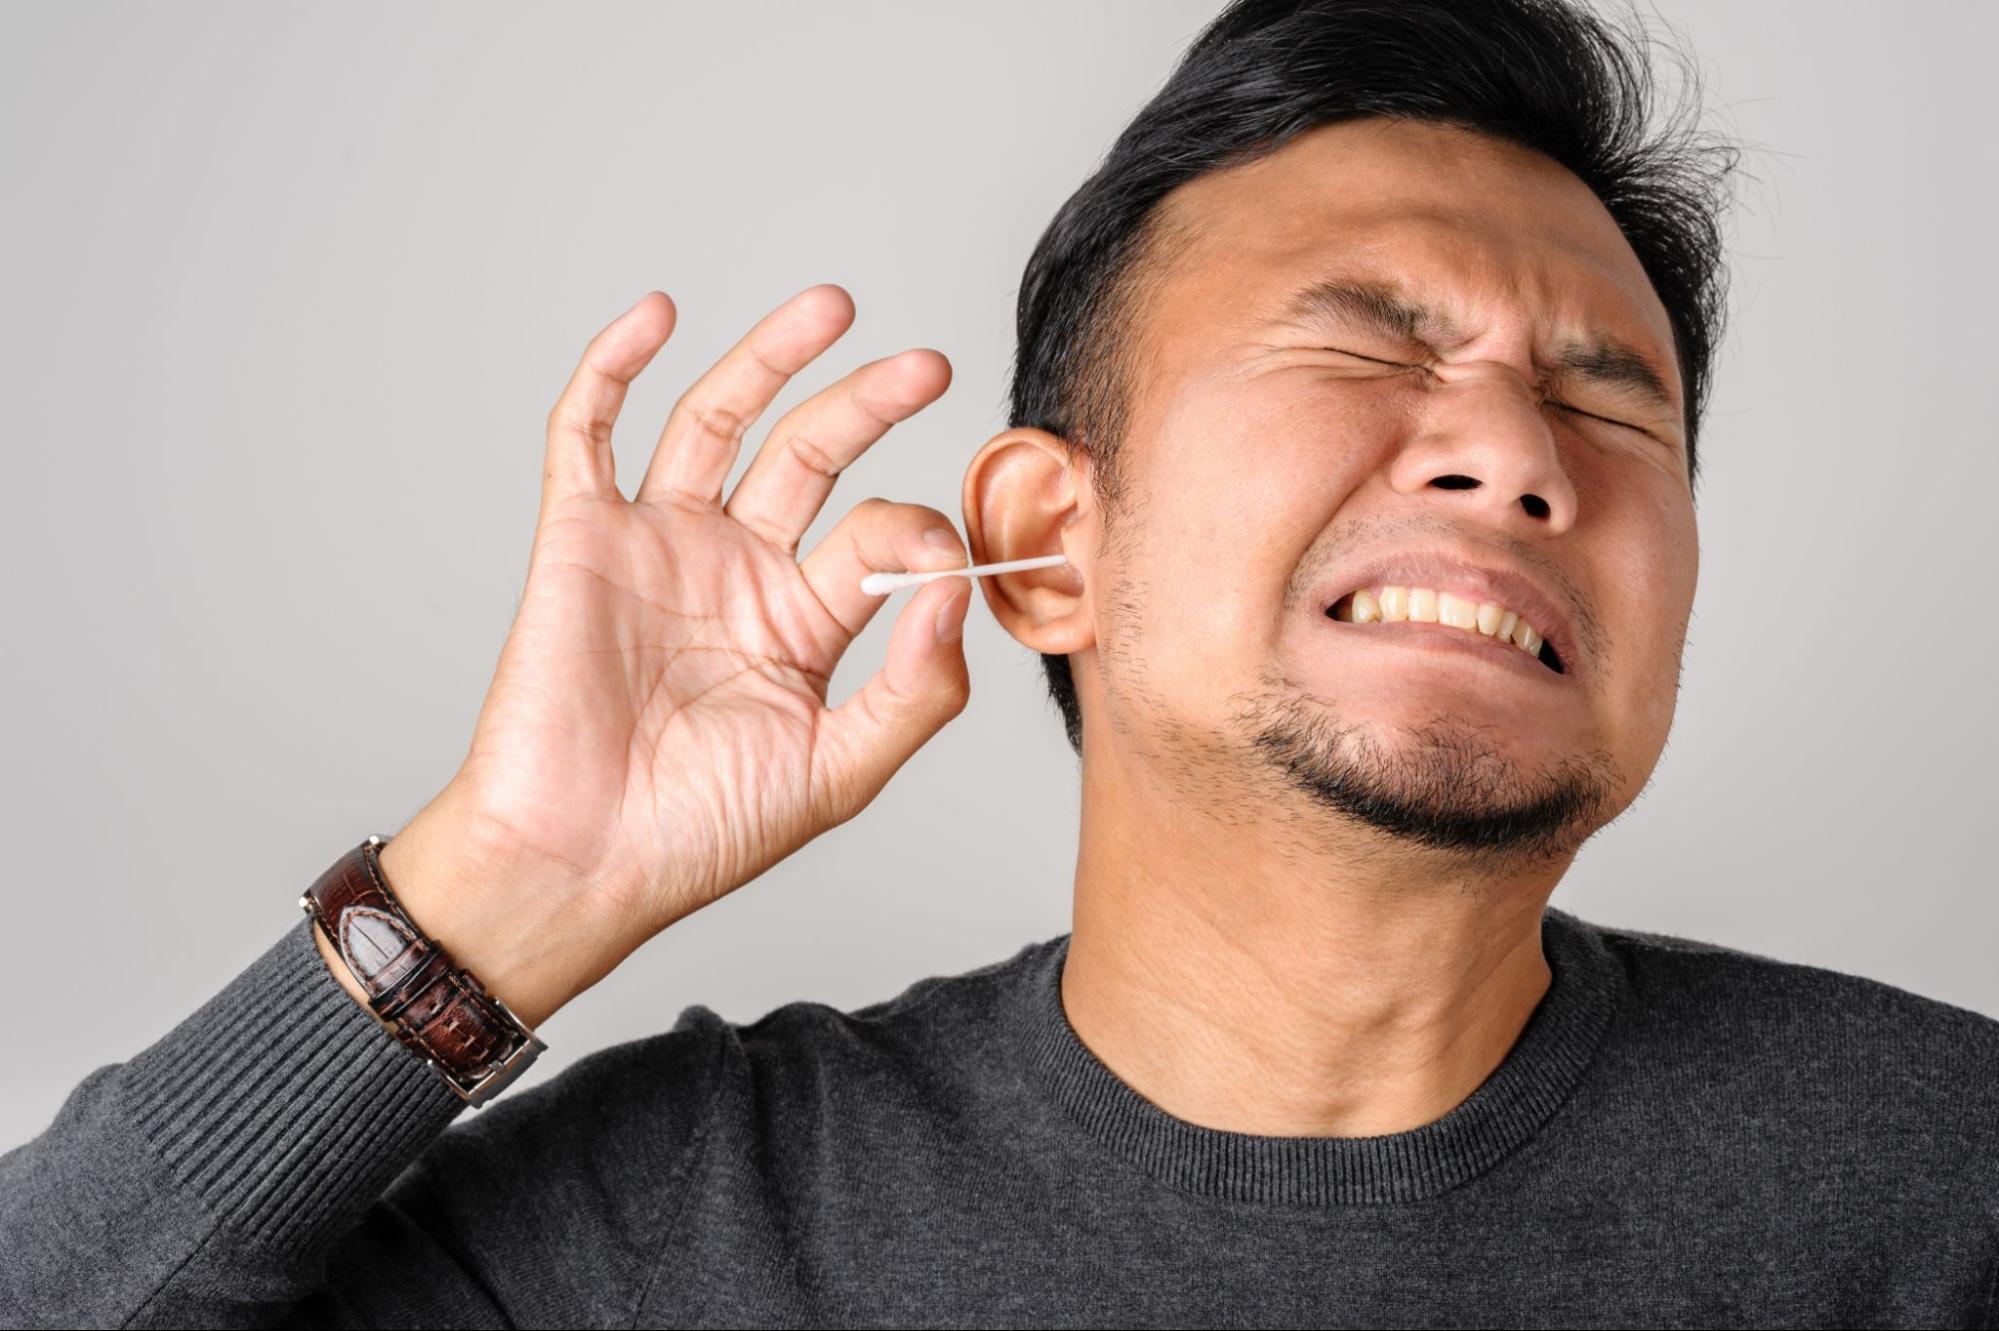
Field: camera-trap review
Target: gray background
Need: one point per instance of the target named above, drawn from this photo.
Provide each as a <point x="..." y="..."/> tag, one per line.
<point x="288" y="294"/>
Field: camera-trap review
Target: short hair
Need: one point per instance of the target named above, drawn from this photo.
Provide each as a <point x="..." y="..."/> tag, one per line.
<point x="1548" y="75"/>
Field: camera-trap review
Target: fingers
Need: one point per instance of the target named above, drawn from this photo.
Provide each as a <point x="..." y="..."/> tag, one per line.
<point x="794" y="469"/>
<point x="698" y="444"/>
<point x="579" y="460"/>
<point x="923" y="684"/>
<point x="877" y="536"/>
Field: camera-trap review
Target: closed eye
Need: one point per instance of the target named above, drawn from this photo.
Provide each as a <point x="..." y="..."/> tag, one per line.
<point x="1563" y="406"/>
<point x="1376" y="360"/>
<point x="1578" y="411"/>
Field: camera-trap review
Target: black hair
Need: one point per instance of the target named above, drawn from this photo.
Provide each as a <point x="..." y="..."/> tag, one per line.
<point x="1549" y="75"/>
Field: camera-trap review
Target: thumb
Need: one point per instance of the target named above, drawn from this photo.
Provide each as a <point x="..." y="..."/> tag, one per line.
<point x="923" y="683"/>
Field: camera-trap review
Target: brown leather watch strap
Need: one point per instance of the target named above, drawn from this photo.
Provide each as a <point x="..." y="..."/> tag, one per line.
<point x="437" y="1008"/>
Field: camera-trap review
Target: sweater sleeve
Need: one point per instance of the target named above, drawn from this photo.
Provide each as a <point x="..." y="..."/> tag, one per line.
<point x="278" y="1158"/>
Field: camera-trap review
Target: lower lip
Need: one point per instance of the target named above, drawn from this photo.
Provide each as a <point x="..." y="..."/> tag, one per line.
<point x="1444" y="639"/>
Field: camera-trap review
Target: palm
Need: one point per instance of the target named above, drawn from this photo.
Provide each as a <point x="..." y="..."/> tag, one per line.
<point x="648" y="636"/>
<point x="658" y="722"/>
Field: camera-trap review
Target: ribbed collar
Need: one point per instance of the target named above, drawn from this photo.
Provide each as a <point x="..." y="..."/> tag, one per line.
<point x="1523" y="1093"/>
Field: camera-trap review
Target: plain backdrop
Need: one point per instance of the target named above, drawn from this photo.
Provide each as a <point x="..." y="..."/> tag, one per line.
<point x="286" y="293"/>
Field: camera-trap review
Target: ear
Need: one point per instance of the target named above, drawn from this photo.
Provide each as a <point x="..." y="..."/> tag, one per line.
<point x="1028" y="493"/>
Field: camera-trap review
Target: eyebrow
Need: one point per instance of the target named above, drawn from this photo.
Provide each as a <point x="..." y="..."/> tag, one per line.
<point x="1382" y="306"/>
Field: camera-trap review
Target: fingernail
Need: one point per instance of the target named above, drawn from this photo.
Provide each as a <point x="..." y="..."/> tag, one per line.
<point x="951" y="618"/>
<point x="942" y="537"/>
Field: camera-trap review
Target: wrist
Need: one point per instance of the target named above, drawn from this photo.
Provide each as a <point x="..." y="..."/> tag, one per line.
<point x="500" y="912"/>
<point x="431" y="1003"/>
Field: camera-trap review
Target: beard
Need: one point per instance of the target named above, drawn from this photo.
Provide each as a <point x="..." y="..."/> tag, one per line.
<point x="1446" y="785"/>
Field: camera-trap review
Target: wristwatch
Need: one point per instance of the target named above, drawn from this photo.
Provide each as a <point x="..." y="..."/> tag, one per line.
<point x="437" y="1008"/>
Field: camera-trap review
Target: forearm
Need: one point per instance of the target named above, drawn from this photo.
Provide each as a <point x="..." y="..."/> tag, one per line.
<point x="237" y="1172"/>
<point x="201" y="1182"/>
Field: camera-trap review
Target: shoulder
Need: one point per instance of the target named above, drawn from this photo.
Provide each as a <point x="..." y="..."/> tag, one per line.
<point x="1824" y="1040"/>
<point x="665" y="1088"/>
<point x="862" y="1101"/>
<point x="1756" y="988"/>
<point x="911" y="1035"/>
<point x="643" y="1104"/>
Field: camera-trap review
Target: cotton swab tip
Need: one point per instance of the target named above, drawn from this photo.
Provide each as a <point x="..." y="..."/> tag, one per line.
<point x="878" y="584"/>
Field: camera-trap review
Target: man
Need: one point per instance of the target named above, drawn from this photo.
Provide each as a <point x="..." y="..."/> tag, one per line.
<point x="1360" y="391"/>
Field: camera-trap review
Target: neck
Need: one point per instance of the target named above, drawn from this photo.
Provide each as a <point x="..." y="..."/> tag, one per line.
<point x="1242" y="977"/>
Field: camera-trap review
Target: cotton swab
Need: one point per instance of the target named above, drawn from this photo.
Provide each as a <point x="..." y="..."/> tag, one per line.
<point x="875" y="584"/>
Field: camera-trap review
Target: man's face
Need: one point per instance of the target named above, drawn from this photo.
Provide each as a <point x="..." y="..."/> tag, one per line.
<point x="1461" y="412"/>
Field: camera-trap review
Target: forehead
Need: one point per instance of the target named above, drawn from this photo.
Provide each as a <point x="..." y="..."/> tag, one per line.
<point x="1491" y="234"/>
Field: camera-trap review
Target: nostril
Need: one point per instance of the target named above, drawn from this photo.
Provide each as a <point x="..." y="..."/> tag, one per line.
<point x="1456" y="482"/>
<point x="1536" y="506"/>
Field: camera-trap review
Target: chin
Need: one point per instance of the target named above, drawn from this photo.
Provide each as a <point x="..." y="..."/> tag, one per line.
<point x="1437" y="780"/>
<point x="1409" y="727"/>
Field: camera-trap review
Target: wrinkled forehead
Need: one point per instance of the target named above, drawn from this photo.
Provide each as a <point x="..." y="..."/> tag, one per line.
<point x="1492" y="235"/>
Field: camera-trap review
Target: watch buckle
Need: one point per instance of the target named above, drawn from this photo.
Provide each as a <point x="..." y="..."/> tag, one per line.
<point x="503" y="1074"/>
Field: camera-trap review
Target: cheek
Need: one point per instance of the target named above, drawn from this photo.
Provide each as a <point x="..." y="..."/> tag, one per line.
<point x="1662" y="560"/>
<point x="1647" y="558"/>
<point x="1638" y="519"/>
<point x="1236" y="478"/>
<point x="1321" y="475"/>
<point x="1277" y="460"/>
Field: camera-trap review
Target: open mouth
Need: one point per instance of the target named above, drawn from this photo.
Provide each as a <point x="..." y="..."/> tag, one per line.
<point x="1424" y="605"/>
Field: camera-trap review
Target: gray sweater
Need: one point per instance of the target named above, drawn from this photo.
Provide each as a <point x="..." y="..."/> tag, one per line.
<point x="1684" y="1135"/>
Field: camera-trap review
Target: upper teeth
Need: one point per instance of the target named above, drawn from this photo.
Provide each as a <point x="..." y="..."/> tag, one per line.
<point x="1392" y="605"/>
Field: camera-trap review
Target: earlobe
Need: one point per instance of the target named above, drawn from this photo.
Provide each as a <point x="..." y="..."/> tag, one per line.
<point x="1027" y="492"/>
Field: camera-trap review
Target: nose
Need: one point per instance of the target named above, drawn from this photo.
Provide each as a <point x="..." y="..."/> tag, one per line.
<point x="1483" y="450"/>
